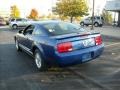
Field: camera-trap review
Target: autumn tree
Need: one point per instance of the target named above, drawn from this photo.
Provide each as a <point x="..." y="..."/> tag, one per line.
<point x="72" y="8"/>
<point x="33" y="14"/>
<point x="15" y="12"/>
<point x="63" y="17"/>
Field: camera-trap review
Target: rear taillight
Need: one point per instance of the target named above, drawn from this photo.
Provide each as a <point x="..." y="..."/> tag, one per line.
<point x="64" y="47"/>
<point x="98" y="40"/>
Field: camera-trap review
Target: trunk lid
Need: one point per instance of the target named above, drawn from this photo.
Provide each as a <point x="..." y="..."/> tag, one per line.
<point x="78" y="40"/>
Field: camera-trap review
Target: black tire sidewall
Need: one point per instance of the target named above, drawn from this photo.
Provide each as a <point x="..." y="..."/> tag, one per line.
<point x="82" y="23"/>
<point x="96" y="24"/>
<point x="14" y="25"/>
<point x="43" y="64"/>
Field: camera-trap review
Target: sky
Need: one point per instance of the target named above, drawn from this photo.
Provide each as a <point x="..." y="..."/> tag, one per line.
<point x="43" y="6"/>
<point x="99" y="5"/>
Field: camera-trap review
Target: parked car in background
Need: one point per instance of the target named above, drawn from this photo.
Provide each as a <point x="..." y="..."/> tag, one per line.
<point x="114" y="23"/>
<point x="97" y="21"/>
<point x="58" y="43"/>
<point x="14" y="23"/>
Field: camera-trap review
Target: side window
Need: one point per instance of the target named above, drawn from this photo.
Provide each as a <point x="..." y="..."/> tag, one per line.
<point x="98" y="17"/>
<point x="29" y="30"/>
<point x="18" y="19"/>
<point x="24" y="19"/>
<point x="38" y="31"/>
<point x="12" y="20"/>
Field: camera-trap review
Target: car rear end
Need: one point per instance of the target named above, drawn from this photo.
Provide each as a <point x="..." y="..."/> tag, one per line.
<point x="99" y="20"/>
<point x="78" y="49"/>
<point x="75" y="47"/>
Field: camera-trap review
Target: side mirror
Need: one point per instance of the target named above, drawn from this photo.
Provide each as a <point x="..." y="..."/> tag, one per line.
<point x="20" y="31"/>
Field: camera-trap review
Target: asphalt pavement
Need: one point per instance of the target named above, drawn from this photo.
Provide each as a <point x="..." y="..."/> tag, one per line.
<point x="107" y="31"/>
<point x="18" y="72"/>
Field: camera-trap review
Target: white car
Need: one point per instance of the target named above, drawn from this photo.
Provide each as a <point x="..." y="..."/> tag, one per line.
<point x="19" y="22"/>
<point x="97" y="21"/>
<point x="114" y="23"/>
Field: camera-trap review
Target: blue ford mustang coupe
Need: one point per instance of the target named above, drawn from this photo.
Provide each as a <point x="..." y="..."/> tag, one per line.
<point x="58" y="43"/>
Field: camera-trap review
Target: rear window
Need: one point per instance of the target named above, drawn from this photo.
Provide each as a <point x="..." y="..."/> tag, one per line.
<point x="62" y="28"/>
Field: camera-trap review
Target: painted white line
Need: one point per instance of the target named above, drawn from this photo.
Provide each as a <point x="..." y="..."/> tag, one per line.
<point x="112" y="44"/>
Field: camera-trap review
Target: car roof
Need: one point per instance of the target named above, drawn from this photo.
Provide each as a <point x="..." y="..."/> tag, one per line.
<point x="45" y="22"/>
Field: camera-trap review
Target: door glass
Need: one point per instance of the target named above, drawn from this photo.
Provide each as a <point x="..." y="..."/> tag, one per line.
<point x="29" y="30"/>
<point x="38" y="31"/>
<point x="18" y="19"/>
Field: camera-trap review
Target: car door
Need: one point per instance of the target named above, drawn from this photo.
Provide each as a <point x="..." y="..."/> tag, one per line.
<point x="28" y="38"/>
<point x="19" y="22"/>
<point x="87" y="21"/>
<point x="25" y="22"/>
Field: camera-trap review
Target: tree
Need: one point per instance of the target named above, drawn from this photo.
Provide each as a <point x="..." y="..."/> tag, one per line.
<point x="50" y="16"/>
<point x="15" y="12"/>
<point x="33" y="14"/>
<point x="63" y="17"/>
<point x="107" y="16"/>
<point x="72" y="8"/>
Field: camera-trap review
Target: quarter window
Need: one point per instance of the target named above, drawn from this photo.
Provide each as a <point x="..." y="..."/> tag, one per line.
<point x="38" y="31"/>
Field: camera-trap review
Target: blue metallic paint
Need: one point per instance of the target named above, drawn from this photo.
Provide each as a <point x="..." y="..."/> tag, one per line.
<point x="47" y="46"/>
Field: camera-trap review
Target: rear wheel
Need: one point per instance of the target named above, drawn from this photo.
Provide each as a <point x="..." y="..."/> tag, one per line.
<point x="40" y="63"/>
<point x="14" y="26"/>
<point x="96" y="24"/>
<point x="82" y="23"/>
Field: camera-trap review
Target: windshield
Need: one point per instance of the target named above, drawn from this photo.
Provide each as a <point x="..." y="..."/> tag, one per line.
<point x="62" y="28"/>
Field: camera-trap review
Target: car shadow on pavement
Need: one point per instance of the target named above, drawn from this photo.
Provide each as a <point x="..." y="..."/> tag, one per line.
<point x="20" y="64"/>
<point x="14" y="63"/>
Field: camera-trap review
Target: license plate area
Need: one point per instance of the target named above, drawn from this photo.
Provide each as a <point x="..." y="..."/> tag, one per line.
<point x="86" y="57"/>
<point x="88" y="42"/>
<point x="83" y="43"/>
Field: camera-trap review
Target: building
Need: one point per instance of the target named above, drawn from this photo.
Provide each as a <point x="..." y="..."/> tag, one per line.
<point x="114" y="6"/>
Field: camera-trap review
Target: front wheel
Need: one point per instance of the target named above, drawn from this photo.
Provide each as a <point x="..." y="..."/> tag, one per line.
<point x="96" y="24"/>
<point x="14" y="26"/>
<point x="40" y="63"/>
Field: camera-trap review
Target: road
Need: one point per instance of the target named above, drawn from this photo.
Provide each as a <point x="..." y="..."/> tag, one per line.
<point x="18" y="72"/>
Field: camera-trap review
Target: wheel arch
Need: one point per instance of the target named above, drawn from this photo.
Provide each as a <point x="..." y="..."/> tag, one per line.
<point x="34" y="47"/>
<point x="14" y="24"/>
<point x="95" y="23"/>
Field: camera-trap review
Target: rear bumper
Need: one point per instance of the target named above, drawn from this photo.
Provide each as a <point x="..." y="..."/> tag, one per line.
<point x="76" y="57"/>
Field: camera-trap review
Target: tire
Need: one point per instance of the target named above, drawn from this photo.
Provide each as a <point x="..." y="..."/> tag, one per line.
<point x="39" y="61"/>
<point x="17" y="45"/>
<point x="82" y="23"/>
<point x="14" y="26"/>
<point x="96" y="24"/>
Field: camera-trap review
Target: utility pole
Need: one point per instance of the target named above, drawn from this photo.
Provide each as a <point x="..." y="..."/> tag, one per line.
<point x="92" y="27"/>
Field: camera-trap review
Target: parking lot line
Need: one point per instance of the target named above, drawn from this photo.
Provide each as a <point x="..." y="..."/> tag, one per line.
<point x="112" y="44"/>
